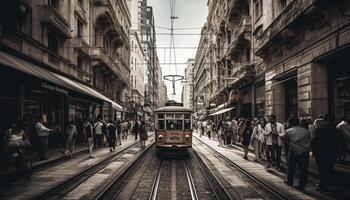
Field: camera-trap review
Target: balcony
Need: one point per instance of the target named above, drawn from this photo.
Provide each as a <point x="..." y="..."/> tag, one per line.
<point x="80" y="11"/>
<point x="243" y="75"/>
<point x="241" y="34"/>
<point x="235" y="8"/>
<point x="98" y="55"/>
<point x="105" y="17"/>
<point x="79" y="43"/>
<point x="282" y="28"/>
<point x="54" y="20"/>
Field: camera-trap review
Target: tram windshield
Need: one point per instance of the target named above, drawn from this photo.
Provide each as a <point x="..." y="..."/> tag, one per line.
<point x="174" y="122"/>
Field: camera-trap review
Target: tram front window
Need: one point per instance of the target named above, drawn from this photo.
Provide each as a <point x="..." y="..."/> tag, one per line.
<point x="174" y="124"/>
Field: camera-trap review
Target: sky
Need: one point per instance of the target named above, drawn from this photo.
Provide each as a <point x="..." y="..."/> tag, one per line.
<point x="191" y="14"/>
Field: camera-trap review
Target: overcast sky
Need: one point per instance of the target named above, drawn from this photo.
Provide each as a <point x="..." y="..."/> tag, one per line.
<point x="191" y="14"/>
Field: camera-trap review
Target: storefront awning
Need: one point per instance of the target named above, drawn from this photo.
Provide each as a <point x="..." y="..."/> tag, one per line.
<point x="34" y="70"/>
<point x="221" y="111"/>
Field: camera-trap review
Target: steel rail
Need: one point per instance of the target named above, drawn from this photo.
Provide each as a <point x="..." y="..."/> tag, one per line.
<point x="155" y="186"/>
<point x="191" y="182"/>
<point x="71" y="183"/>
<point x="113" y="189"/>
<point x="218" y="189"/>
<point x="262" y="183"/>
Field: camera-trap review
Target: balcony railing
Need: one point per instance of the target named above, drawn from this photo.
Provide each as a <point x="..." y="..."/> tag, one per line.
<point x="52" y="17"/>
<point x="79" y="43"/>
<point x="291" y="13"/>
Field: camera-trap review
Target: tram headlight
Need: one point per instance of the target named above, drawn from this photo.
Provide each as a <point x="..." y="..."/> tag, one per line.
<point x="160" y="138"/>
<point x="187" y="138"/>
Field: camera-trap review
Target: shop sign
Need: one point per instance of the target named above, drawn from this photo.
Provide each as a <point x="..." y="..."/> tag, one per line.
<point x="54" y="88"/>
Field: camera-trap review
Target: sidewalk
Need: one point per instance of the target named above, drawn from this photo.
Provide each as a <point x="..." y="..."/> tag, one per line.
<point x="272" y="175"/>
<point x="47" y="178"/>
<point x="54" y="155"/>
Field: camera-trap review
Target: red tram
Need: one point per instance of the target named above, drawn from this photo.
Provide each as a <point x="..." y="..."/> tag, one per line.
<point x="173" y="127"/>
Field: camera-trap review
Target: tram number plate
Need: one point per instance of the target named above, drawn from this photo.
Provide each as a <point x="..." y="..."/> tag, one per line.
<point x="174" y="136"/>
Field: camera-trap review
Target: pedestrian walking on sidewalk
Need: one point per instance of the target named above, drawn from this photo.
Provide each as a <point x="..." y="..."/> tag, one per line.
<point x="344" y="128"/>
<point x="325" y="149"/>
<point x="257" y="138"/>
<point x="298" y="141"/>
<point x="71" y="138"/>
<point x="111" y="129"/>
<point x="209" y="128"/>
<point x="220" y="133"/>
<point x="273" y="133"/>
<point x="135" y="129"/>
<point x="143" y="134"/>
<point x="89" y="136"/>
<point x="199" y="128"/>
<point x="104" y="134"/>
<point x="246" y="136"/>
<point x="98" y="133"/>
<point x="227" y="131"/>
<point x="119" y="132"/>
<point x="234" y="128"/>
<point x="43" y="135"/>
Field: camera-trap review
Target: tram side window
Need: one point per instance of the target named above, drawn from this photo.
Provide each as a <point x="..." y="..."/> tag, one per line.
<point x="161" y="122"/>
<point x="187" y="122"/>
<point x="173" y="124"/>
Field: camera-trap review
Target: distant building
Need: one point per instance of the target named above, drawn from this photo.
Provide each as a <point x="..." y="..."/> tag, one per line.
<point x="187" y="91"/>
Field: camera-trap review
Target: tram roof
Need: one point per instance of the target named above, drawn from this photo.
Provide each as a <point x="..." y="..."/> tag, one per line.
<point x="173" y="109"/>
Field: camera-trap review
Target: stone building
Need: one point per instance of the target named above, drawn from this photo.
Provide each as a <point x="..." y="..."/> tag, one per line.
<point x="137" y="62"/>
<point x="230" y="63"/>
<point x="304" y="45"/>
<point x="187" y="94"/>
<point x="143" y="22"/>
<point x="68" y="60"/>
<point x="200" y="78"/>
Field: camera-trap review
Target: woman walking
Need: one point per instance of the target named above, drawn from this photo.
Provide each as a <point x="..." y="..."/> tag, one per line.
<point x="220" y="132"/>
<point x="89" y="135"/>
<point x="246" y="135"/>
<point x="143" y="134"/>
<point x="71" y="137"/>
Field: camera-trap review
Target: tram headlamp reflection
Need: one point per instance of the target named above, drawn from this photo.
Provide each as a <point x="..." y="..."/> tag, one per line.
<point x="160" y="138"/>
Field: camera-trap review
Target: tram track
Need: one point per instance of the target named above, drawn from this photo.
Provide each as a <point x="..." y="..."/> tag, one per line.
<point x="179" y="178"/>
<point x="272" y="190"/>
<point x="62" y="189"/>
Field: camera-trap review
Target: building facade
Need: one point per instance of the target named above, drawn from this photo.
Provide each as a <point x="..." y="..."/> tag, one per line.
<point x="200" y="77"/>
<point x="143" y="18"/>
<point x="304" y="45"/>
<point x="67" y="60"/>
<point x="187" y="94"/>
<point x="137" y="62"/>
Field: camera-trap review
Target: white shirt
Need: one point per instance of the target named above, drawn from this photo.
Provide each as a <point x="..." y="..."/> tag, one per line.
<point x="98" y="128"/>
<point x="280" y="131"/>
<point x="41" y="130"/>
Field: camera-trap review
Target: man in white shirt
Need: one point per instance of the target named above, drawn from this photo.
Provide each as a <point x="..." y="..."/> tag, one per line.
<point x="98" y="133"/>
<point x="273" y="133"/>
<point x="43" y="137"/>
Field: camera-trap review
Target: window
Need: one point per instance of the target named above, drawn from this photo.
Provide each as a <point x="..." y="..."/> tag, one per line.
<point x="79" y="62"/>
<point x="174" y="124"/>
<point x="161" y="123"/>
<point x="258" y="8"/>
<point x="81" y="2"/>
<point x="54" y="3"/>
<point x="79" y="29"/>
<point x="52" y="44"/>
<point x="187" y="122"/>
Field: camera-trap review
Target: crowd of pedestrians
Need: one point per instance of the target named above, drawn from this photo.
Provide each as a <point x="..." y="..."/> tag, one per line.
<point x="95" y="134"/>
<point x="301" y="139"/>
